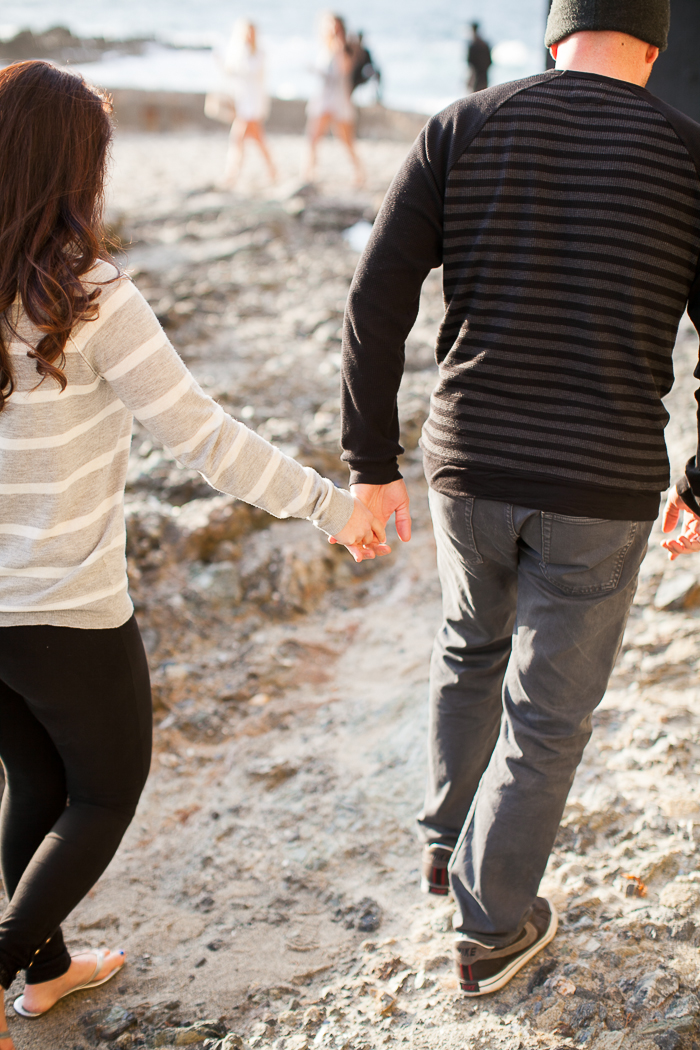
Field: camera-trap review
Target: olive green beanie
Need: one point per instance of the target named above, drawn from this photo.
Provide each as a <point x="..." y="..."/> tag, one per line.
<point x="648" y="20"/>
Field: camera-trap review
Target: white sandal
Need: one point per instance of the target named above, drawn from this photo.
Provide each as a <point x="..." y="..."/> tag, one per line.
<point x="93" y="982"/>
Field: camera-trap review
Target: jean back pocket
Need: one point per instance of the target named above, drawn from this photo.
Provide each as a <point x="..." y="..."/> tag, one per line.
<point x="584" y="556"/>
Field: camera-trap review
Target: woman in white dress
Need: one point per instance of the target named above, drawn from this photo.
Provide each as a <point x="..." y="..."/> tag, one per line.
<point x="244" y="65"/>
<point x="331" y="106"/>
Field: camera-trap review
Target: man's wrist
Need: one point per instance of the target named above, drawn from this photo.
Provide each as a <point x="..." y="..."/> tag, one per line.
<point x="385" y="476"/>
<point x="687" y="495"/>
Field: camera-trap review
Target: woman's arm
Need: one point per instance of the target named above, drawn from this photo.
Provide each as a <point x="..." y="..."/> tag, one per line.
<point x="127" y="347"/>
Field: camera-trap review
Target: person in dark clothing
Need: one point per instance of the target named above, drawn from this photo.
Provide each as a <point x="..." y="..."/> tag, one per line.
<point x="478" y="60"/>
<point x="565" y="211"/>
<point x="363" y="65"/>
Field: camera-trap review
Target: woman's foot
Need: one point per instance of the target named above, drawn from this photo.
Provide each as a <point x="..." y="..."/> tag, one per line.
<point x="38" y="998"/>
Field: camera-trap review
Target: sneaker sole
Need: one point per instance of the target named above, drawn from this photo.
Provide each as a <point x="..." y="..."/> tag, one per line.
<point x="492" y="984"/>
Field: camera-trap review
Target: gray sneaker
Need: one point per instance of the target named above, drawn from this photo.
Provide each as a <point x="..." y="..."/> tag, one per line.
<point x="435" y="878"/>
<point x="482" y="969"/>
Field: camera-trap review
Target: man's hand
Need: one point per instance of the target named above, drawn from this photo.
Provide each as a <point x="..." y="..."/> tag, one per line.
<point x="385" y="500"/>
<point x="382" y="501"/>
<point x="363" y="535"/>
<point x="689" y="540"/>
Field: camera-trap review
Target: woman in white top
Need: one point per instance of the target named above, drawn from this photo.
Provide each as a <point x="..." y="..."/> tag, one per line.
<point x="331" y="107"/>
<point x="244" y="65"/>
<point x="81" y="353"/>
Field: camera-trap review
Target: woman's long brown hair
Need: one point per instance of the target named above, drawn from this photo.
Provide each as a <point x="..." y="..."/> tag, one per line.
<point x="55" y="133"/>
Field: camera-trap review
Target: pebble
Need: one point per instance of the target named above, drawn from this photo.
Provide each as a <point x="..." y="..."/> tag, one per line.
<point x="190" y="1035"/>
<point x="560" y="985"/>
<point x="386" y="1003"/>
<point x="652" y="989"/>
<point x="683" y="1006"/>
<point x="313" y="1016"/>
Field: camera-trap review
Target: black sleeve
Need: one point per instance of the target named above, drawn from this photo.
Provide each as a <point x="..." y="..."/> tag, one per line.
<point x="405" y="245"/>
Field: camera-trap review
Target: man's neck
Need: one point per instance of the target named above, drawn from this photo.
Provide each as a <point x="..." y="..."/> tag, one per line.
<point x="603" y="69"/>
<point x="610" y="54"/>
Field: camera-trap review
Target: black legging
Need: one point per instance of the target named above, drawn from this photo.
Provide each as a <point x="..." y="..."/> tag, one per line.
<point x="75" y="741"/>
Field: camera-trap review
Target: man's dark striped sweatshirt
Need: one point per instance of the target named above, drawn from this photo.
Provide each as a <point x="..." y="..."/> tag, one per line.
<point x="565" y="210"/>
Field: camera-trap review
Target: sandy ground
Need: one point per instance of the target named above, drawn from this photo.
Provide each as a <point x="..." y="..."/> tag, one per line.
<point x="269" y="883"/>
<point x="152" y="168"/>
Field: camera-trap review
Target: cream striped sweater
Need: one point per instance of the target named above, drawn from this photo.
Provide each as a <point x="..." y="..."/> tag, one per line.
<point x="63" y="459"/>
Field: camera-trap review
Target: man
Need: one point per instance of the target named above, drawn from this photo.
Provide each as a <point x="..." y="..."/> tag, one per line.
<point x="363" y="67"/>
<point x="565" y="209"/>
<point x="478" y="60"/>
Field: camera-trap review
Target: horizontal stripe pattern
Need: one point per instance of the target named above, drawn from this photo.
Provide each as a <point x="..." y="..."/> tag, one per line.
<point x="57" y="572"/>
<point x="63" y="461"/>
<point x="571" y="238"/>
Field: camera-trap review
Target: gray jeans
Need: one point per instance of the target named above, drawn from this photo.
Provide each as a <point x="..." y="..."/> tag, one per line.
<point x="535" y="606"/>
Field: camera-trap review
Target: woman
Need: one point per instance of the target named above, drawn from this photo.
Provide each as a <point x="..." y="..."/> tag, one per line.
<point x="332" y="107"/>
<point x="245" y="71"/>
<point x="80" y="350"/>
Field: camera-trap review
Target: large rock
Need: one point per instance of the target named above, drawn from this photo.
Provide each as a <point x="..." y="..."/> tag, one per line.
<point x="682" y="896"/>
<point x="683" y="1006"/>
<point x="107" y="1024"/>
<point x="238" y="553"/>
<point x="678" y="590"/>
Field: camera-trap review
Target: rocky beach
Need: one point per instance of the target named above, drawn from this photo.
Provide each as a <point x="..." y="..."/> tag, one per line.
<point x="267" y="892"/>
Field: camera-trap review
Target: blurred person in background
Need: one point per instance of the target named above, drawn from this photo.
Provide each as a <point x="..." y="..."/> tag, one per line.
<point x="81" y="353"/>
<point x="331" y="107"/>
<point x="244" y="66"/>
<point x="479" y="61"/>
<point x="364" y="68"/>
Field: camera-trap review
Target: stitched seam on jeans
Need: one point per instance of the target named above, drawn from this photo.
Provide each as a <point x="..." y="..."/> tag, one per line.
<point x="604" y="588"/>
<point x="471" y="542"/>
<point x="509" y="522"/>
<point x="577" y="520"/>
<point x="546" y="535"/>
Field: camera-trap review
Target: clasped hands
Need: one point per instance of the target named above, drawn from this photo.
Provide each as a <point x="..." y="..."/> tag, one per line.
<point x="689" y="540"/>
<point x="365" y="533"/>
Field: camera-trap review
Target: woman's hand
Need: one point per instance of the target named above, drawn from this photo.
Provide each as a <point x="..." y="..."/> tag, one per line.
<point x="676" y="512"/>
<point x="687" y="543"/>
<point x="364" y="535"/>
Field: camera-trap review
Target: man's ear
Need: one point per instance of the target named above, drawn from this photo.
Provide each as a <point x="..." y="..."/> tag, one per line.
<point x="651" y="55"/>
<point x="553" y="51"/>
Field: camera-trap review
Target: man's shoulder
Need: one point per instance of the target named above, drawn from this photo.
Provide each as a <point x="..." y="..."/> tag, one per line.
<point x="687" y="129"/>
<point x="487" y="101"/>
<point x="448" y="133"/>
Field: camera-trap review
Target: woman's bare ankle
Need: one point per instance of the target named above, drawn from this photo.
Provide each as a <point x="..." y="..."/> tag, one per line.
<point x="41" y="997"/>
<point x="6" y="1042"/>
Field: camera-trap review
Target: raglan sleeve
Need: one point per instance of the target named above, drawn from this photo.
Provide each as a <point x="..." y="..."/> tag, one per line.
<point x="127" y="347"/>
<point x="406" y="243"/>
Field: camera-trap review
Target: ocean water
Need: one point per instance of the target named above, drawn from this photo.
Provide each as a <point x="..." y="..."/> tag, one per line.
<point x="419" y="44"/>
